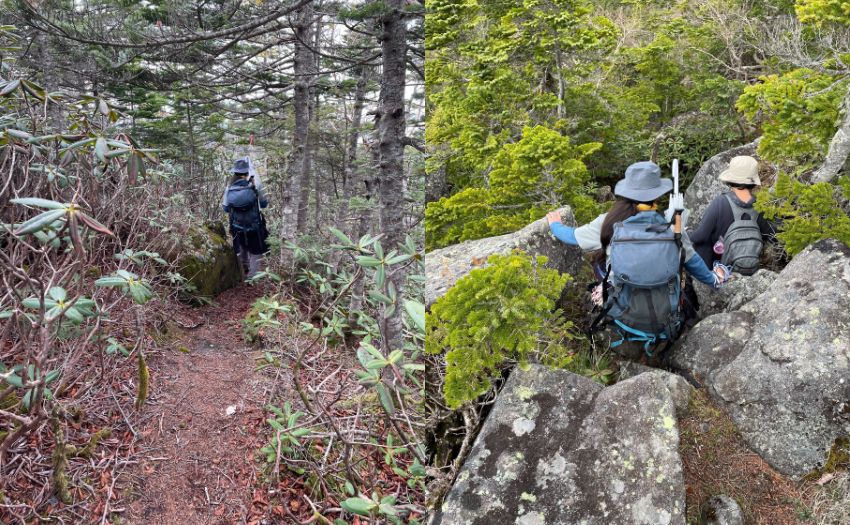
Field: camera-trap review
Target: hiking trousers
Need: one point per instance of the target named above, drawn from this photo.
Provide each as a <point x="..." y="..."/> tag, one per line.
<point x="250" y="262"/>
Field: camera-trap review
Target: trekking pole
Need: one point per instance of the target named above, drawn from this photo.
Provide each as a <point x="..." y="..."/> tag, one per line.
<point x="677" y="197"/>
<point x="679" y="201"/>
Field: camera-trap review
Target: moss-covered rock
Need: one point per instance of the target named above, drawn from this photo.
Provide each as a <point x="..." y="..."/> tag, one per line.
<point x="207" y="260"/>
<point x="9" y="402"/>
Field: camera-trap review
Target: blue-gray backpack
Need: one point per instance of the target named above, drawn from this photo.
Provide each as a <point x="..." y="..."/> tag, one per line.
<point x="244" y="209"/>
<point x="742" y="244"/>
<point x="643" y="288"/>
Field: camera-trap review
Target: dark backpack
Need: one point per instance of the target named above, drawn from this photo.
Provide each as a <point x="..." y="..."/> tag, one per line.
<point x="244" y="208"/>
<point x="743" y="242"/>
<point x="642" y="289"/>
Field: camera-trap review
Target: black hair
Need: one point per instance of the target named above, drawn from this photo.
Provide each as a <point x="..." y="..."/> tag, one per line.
<point x="741" y="186"/>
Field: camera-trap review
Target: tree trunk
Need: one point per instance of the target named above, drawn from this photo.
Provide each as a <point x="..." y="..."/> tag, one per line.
<point x="294" y="207"/>
<point x="314" y="112"/>
<point x="349" y="177"/>
<point x="50" y="79"/>
<point x="358" y="229"/>
<point x="391" y="130"/>
<point x="839" y="147"/>
<point x="301" y="45"/>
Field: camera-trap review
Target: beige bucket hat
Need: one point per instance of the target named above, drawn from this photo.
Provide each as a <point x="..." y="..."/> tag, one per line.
<point x="742" y="169"/>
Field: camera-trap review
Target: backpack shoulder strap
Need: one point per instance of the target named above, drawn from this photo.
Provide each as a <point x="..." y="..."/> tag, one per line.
<point x="595" y="324"/>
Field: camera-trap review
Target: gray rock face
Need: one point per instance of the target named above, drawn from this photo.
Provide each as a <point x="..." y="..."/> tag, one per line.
<point x="559" y="448"/>
<point x="734" y="294"/>
<point x="712" y="344"/>
<point x="445" y="266"/>
<point x="780" y="366"/>
<point x="677" y="385"/>
<point x="705" y="185"/>
<point x="721" y="510"/>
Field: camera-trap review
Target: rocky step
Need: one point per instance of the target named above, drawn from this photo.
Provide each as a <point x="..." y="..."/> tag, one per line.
<point x="559" y="448"/>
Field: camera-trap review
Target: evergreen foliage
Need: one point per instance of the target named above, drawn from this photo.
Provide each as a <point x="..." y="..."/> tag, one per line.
<point x="503" y="312"/>
<point x="809" y="213"/>
<point x="823" y="12"/>
<point x="631" y="78"/>
<point x="528" y="178"/>
<point x="796" y="111"/>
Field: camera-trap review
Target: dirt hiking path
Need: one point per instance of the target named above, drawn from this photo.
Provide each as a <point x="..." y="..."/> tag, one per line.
<point x="205" y="416"/>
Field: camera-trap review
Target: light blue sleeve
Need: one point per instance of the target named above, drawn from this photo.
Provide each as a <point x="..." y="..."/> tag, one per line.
<point x="696" y="267"/>
<point x="565" y="234"/>
<point x="589" y="236"/>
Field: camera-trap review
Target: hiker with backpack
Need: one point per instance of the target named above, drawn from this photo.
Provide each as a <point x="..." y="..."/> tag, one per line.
<point x="640" y="260"/>
<point x="731" y="230"/>
<point x="242" y="201"/>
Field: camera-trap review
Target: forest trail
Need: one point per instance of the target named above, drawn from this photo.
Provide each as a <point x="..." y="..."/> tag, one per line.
<point x="199" y="439"/>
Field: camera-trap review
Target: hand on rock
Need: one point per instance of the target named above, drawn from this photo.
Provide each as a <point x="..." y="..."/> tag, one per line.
<point x="722" y="273"/>
<point x="553" y="216"/>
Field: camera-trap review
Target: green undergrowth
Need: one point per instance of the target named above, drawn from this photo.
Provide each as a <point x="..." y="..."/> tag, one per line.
<point x="810" y="212"/>
<point x="503" y="314"/>
<point x="348" y="440"/>
<point x="267" y="312"/>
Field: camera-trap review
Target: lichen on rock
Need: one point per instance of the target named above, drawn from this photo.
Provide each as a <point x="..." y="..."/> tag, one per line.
<point x="595" y="455"/>
<point x="780" y="365"/>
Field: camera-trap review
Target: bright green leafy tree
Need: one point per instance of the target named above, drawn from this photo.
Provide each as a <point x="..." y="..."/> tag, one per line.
<point x="797" y="113"/>
<point x="529" y="177"/>
<point x="494" y="315"/>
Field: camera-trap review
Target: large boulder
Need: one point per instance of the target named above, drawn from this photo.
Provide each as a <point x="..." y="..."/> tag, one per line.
<point x="559" y="448"/>
<point x="444" y="267"/>
<point x="734" y="294"/>
<point x="207" y="260"/>
<point x="705" y="185"/>
<point x="780" y="365"/>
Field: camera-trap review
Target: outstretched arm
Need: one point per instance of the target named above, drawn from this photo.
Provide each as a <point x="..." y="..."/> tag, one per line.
<point x="565" y="234"/>
<point x="696" y="267"/>
<point x="585" y="237"/>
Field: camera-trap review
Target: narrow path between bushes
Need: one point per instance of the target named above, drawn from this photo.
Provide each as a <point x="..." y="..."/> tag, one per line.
<point x="204" y="421"/>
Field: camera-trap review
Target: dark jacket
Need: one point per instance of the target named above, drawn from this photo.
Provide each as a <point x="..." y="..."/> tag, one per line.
<point x="249" y="231"/>
<point x="717" y="219"/>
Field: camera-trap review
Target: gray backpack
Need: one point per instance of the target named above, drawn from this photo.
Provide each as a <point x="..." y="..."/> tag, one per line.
<point x="742" y="243"/>
<point x="643" y="278"/>
<point x="244" y="209"/>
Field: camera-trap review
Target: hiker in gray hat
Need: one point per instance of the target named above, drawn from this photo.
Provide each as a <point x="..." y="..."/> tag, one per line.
<point x="639" y="261"/>
<point x="731" y="230"/>
<point x="243" y="201"/>
<point x="637" y="194"/>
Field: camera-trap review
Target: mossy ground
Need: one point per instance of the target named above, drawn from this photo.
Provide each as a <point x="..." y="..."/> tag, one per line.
<point x="717" y="461"/>
<point x="838" y="460"/>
